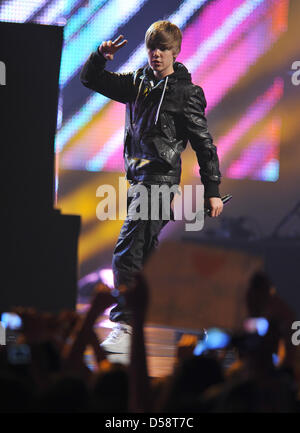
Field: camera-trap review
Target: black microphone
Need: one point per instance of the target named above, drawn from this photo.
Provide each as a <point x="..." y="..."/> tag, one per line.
<point x="225" y="199"/>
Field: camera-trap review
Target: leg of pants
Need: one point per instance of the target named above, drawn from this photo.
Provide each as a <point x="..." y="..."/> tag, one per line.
<point x="138" y="239"/>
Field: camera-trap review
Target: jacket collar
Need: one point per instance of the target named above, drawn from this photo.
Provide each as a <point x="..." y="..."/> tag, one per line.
<point x="180" y="73"/>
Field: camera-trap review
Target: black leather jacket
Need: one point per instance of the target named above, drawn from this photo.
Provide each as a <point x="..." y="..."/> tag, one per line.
<point x="160" y="119"/>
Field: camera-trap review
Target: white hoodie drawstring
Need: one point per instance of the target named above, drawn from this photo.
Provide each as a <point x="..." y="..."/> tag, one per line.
<point x="139" y="89"/>
<point x="161" y="99"/>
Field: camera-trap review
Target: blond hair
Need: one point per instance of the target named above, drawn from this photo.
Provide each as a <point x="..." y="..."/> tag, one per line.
<point x="164" y="34"/>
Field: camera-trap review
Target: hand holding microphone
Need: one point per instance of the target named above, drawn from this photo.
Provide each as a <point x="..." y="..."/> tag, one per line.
<point x="225" y="199"/>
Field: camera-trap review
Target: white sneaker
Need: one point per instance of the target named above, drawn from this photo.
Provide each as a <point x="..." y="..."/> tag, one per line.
<point x="119" y="339"/>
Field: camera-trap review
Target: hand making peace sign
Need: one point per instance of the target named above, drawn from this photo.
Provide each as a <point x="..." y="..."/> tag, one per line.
<point x="109" y="48"/>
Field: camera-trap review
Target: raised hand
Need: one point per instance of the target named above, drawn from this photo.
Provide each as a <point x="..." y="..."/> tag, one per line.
<point x="102" y="297"/>
<point x="109" y="48"/>
<point x="186" y="346"/>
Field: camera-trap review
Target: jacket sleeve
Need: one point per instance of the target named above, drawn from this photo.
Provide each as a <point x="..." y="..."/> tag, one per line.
<point x="116" y="86"/>
<point x="201" y="141"/>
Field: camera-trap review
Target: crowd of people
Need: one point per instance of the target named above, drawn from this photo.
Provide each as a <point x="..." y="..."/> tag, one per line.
<point x="51" y="375"/>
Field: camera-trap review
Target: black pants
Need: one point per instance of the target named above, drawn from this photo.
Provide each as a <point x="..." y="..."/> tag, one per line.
<point x="138" y="239"/>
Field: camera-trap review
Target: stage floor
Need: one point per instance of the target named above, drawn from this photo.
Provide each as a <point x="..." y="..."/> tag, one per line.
<point x="160" y="350"/>
<point x="160" y="343"/>
<point x="160" y="346"/>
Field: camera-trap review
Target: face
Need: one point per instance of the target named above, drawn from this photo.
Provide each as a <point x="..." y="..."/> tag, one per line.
<point x="161" y="61"/>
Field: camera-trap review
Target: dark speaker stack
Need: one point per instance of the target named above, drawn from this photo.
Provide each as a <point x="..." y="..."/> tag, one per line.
<point x="39" y="244"/>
